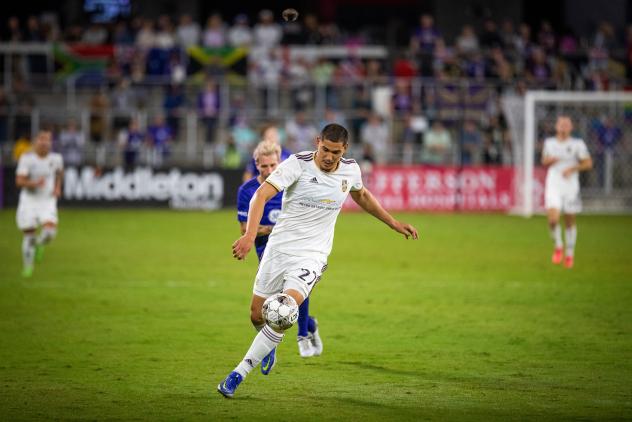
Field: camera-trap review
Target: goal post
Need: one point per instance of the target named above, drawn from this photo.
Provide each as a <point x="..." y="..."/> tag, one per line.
<point x="602" y="119"/>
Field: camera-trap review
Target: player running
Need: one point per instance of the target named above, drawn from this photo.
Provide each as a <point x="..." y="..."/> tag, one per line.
<point x="565" y="157"/>
<point x="315" y="185"/>
<point x="267" y="156"/>
<point x="39" y="174"/>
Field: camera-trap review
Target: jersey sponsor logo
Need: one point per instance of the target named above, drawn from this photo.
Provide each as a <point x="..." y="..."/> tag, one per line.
<point x="242" y="213"/>
<point x="327" y="201"/>
<point x="273" y="215"/>
<point x="314" y="180"/>
<point x="344" y="185"/>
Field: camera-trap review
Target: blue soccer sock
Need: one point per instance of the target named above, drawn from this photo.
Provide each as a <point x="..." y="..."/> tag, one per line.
<point x="303" y="318"/>
<point x="311" y="324"/>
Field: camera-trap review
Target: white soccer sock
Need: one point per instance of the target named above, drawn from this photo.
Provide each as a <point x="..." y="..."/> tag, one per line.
<point x="571" y="239"/>
<point x="266" y="340"/>
<point x="28" y="249"/>
<point x="556" y="235"/>
<point x="47" y="234"/>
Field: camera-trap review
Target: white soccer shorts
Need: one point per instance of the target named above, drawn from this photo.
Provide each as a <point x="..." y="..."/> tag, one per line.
<point x="565" y="200"/>
<point x="32" y="216"/>
<point x="279" y="272"/>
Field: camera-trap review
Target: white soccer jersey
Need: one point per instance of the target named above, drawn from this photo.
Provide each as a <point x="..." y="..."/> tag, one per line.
<point x="312" y="200"/>
<point x="35" y="167"/>
<point x="569" y="152"/>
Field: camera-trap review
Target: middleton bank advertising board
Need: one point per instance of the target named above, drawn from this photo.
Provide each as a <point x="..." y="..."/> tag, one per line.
<point x="175" y="188"/>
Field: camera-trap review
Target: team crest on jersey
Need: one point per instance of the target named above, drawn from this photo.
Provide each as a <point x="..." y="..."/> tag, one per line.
<point x="344" y="185"/>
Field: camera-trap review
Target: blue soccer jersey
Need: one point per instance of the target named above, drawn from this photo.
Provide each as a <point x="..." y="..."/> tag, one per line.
<point x="270" y="212"/>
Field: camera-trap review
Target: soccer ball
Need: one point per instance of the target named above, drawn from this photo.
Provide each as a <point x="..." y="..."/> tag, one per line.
<point x="280" y="311"/>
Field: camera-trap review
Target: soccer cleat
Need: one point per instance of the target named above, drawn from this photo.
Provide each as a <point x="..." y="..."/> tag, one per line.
<point x="229" y="385"/>
<point x="569" y="261"/>
<point x="268" y="362"/>
<point x="558" y="254"/>
<point x="27" y="272"/>
<point x="316" y="340"/>
<point x="305" y="347"/>
<point x="39" y="253"/>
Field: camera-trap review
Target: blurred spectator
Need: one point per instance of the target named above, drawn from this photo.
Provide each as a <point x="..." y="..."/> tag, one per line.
<point x="312" y="31"/>
<point x="99" y="105"/>
<point x="266" y="33"/>
<point x="22" y="145"/>
<point x="13" y="31"/>
<point x="508" y="34"/>
<point x="375" y="132"/>
<point x="72" y="143"/>
<point x="500" y="67"/>
<point x="165" y="37"/>
<point x="122" y="35"/>
<point x="605" y="37"/>
<point x="33" y="31"/>
<point x="492" y="154"/>
<point x="546" y="37"/>
<point x="4" y="116"/>
<point x="124" y="98"/>
<point x="95" y="35"/>
<point x="177" y="71"/>
<point x="538" y="70"/>
<point x="490" y="37"/>
<point x="188" y="32"/>
<point x="467" y="42"/>
<point x="240" y="35"/>
<point x="569" y="44"/>
<point x="173" y="105"/>
<point x="404" y="67"/>
<point x="160" y="136"/>
<point x="437" y="145"/>
<point x="209" y="108"/>
<point x="214" y="35"/>
<point x="523" y="43"/>
<point x="244" y="136"/>
<point x="232" y="157"/>
<point x="146" y="36"/>
<point x="425" y="37"/>
<point x="301" y="133"/>
<point x="471" y="143"/>
<point x="332" y="116"/>
<point x="402" y="100"/>
<point x="131" y="140"/>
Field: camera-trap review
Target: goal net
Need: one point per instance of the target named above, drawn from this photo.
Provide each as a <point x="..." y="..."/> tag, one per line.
<point x="602" y="119"/>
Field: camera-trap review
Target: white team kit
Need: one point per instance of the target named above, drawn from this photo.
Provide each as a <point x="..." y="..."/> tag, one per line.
<point x="39" y="205"/>
<point x="300" y="242"/>
<point x="560" y="192"/>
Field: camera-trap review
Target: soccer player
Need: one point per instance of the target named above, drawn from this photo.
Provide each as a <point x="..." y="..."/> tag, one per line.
<point x="39" y="175"/>
<point x="267" y="156"/>
<point x="565" y="157"/>
<point x="315" y="185"/>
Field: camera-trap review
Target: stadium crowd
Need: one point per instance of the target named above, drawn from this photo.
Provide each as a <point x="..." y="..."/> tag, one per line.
<point x="443" y="93"/>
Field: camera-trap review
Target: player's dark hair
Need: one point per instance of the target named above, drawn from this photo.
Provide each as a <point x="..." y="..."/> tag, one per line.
<point x="335" y="133"/>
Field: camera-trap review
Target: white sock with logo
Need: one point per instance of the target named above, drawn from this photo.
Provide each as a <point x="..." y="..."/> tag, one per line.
<point x="556" y="235"/>
<point x="571" y="239"/>
<point x="28" y="249"/>
<point x="266" y="340"/>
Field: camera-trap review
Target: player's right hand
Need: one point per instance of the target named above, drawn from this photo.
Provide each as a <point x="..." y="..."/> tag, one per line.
<point x="38" y="183"/>
<point x="242" y="246"/>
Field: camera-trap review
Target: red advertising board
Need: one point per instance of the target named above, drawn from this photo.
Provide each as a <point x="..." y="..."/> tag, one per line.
<point x="402" y="188"/>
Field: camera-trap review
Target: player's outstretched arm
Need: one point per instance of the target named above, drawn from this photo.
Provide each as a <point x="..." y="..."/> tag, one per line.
<point x="368" y="203"/>
<point x="242" y="246"/>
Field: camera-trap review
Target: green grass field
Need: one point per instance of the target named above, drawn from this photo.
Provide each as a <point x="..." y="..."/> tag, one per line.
<point x="137" y="315"/>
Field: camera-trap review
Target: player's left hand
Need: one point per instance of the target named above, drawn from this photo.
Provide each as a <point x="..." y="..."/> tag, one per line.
<point x="406" y="229"/>
<point x="567" y="172"/>
<point x="241" y="247"/>
<point x="57" y="192"/>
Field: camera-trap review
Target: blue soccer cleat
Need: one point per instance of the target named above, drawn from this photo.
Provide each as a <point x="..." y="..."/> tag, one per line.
<point x="227" y="387"/>
<point x="268" y="362"/>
